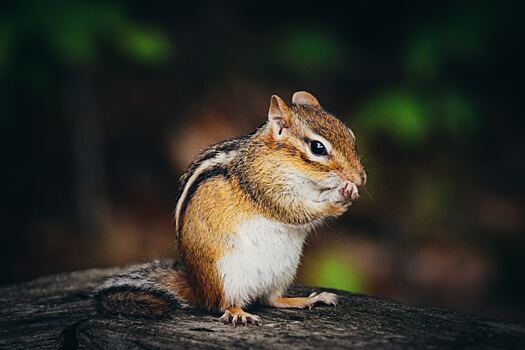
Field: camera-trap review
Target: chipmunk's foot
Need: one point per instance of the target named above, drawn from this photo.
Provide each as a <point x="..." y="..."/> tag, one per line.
<point x="302" y="302"/>
<point x="323" y="298"/>
<point x="235" y="315"/>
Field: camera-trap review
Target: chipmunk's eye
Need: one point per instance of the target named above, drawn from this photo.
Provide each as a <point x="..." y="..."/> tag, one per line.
<point x="318" y="148"/>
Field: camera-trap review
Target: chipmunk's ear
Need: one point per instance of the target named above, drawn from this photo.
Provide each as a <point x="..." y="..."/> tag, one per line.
<point x="279" y="116"/>
<point x="305" y="98"/>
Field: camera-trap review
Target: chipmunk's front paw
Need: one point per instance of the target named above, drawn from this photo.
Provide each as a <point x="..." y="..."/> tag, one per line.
<point x="236" y="315"/>
<point x="324" y="298"/>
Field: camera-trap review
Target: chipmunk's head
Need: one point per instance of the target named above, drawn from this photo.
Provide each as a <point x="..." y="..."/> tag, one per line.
<point x="317" y="151"/>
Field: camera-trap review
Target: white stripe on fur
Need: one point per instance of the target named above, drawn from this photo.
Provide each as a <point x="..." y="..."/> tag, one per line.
<point x="220" y="158"/>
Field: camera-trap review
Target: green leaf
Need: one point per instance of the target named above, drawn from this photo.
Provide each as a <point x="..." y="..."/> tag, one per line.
<point x="336" y="273"/>
<point x="145" y="45"/>
<point x="401" y="113"/>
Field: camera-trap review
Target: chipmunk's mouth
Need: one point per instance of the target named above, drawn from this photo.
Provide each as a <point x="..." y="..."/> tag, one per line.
<point x="332" y="189"/>
<point x="344" y="193"/>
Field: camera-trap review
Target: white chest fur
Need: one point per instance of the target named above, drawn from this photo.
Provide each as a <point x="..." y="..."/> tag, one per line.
<point x="262" y="259"/>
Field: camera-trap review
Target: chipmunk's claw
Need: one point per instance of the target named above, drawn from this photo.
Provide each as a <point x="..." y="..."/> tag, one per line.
<point x="225" y="318"/>
<point x="238" y="317"/>
<point x="324" y="298"/>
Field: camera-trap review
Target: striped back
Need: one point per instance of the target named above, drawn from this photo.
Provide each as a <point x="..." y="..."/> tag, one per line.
<point x="212" y="162"/>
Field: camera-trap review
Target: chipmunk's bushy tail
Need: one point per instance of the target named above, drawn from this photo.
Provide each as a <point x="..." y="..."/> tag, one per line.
<point x="153" y="290"/>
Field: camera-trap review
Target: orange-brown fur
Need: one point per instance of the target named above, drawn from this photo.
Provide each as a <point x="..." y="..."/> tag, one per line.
<point x="204" y="237"/>
<point x="265" y="156"/>
<point x="345" y="159"/>
<point x="298" y="302"/>
<point x="206" y="225"/>
<point x="254" y="185"/>
<point x="178" y="281"/>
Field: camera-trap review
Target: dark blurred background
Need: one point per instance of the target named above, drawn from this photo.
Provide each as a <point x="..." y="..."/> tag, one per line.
<point x="103" y="104"/>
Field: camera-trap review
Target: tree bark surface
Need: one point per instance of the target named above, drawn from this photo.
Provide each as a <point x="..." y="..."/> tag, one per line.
<point x="57" y="312"/>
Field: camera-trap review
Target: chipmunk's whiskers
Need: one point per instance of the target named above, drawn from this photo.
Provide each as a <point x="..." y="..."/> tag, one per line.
<point x="369" y="194"/>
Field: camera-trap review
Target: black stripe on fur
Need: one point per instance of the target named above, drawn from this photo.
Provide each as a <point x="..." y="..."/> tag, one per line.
<point x="215" y="171"/>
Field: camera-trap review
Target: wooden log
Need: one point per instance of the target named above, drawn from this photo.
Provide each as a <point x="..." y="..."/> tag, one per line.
<point x="57" y="312"/>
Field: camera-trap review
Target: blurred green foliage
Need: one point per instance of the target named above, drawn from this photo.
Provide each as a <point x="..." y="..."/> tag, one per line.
<point x="411" y="117"/>
<point x="149" y="46"/>
<point x="424" y="101"/>
<point x="310" y="51"/>
<point x="335" y="272"/>
<point x="459" y="37"/>
<point x="78" y="32"/>
<point x="401" y="113"/>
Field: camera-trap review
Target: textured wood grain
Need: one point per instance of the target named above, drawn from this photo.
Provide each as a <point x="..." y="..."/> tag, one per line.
<point x="56" y="312"/>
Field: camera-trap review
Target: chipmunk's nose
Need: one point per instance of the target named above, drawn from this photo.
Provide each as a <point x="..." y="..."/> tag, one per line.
<point x="358" y="178"/>
<point x="363" y="178"/>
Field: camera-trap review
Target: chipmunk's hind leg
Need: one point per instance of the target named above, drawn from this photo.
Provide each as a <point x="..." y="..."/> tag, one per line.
<point x="302" y="302"/>
<point x="235" y="315"/>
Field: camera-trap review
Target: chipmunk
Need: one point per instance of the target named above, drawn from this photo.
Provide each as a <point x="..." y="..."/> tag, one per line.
<point x="244" y="209"/>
